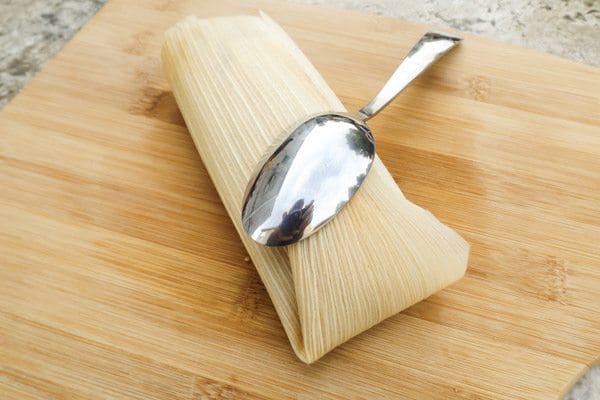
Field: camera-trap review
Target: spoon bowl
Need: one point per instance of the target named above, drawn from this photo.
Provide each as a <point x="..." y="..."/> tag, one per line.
<point x="308" y="179"/>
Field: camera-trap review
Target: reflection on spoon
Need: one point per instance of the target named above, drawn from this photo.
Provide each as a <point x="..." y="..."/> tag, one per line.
<point x="293" y="223"/>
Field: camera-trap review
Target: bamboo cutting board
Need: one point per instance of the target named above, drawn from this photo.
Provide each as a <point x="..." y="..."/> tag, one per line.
<point x="121" y="275"/>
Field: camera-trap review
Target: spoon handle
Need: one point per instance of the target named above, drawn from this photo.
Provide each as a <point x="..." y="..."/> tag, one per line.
<point x="431" y="47"/>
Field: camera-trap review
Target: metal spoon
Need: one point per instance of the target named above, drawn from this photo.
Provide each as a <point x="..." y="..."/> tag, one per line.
<point x="317" y="169"/>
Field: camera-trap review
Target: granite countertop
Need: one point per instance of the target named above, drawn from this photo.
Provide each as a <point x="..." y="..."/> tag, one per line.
<point x="32" y="31"/>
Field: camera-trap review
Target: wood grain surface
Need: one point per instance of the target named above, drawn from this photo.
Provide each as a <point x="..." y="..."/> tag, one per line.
<point x="122" y="277"/>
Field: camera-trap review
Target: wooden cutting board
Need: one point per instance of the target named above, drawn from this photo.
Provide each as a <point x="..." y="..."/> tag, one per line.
<point x="122" y="277"/>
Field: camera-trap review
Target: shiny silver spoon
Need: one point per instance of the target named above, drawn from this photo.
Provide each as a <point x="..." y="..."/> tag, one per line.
<point x="317" y="169"/>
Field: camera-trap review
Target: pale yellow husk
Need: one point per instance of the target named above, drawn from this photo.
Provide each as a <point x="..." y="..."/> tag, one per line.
<point x="240" y="82"/>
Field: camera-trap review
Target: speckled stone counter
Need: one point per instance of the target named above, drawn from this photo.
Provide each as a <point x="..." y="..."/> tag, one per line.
<point x="32" y="31"/>
<point x="568" y="28"/>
